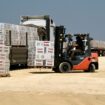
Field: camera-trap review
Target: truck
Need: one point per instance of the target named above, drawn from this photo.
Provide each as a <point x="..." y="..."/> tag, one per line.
<point x="98" y="46"/>
<point x="45" y="25"/>
<point x="75" y="54"/>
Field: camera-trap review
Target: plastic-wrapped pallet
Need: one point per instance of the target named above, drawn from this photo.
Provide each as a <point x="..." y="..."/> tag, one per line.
<point x="32" y="37"/>
<point x="4" y="50"/>
<point x="15" y="35"/>
<point x="44" y="53"/>
<point x="39" y="54"/>
<point x="49" y="55"/>
<point x="4" y="60"/>
<point x="18" y="34"/>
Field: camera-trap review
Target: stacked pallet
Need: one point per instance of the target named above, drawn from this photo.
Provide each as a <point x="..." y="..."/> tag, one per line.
<point x="49" y="54"/>
<point x="4" y="52"/>
<point x="4" y="60"/>
<point x="14" y="35"/>
<point x="32" y="37"/>
<point x="42" y="55"/>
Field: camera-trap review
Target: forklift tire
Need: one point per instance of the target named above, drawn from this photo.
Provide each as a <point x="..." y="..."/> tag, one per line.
<point x="65" y="67"/>
<point x="91" y="68"/>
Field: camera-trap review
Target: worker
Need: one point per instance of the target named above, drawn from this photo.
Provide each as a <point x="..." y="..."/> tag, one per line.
<point x="79" y="41"/>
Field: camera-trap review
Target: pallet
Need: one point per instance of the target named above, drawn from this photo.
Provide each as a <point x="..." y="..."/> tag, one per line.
<point x="40" y="67"/>
<point x="5" y="75"/>
<point x="45" y="67"/>
<point x="48" y="67"/>
<point x="30" y="67"/>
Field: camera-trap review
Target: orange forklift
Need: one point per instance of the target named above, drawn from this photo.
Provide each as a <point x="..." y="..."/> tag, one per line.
<point x="73" y="52"/>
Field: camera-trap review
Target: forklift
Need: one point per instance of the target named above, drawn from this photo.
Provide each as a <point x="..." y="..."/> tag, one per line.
<point x="73" y="52"/>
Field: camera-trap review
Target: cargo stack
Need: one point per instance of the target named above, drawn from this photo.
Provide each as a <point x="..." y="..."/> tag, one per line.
<point x="16" y="36"/>
<point x="44" y="54"/>
<point x="4" y="51"/>
<point x="4" y="60"/>
<point x="39" y="54"/>
<point x="49" y="53"/>
<point x="32" y="37"/>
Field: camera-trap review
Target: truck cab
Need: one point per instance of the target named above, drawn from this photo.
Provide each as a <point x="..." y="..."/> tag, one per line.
<point x="44" y="24"/>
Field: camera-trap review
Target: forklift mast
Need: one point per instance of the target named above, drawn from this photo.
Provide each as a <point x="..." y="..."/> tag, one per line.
<point x="59" y="39"/>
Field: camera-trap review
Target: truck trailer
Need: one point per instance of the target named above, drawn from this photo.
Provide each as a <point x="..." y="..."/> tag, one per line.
<point x="98" y="46"/>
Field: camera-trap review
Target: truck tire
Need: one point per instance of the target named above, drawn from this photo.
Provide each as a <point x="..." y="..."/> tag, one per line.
<point x="103" y="53"/>
<point x="65" y="67"/>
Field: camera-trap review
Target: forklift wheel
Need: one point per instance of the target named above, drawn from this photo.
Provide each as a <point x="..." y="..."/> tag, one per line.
<point x="91" y="68"/>
<point x="65" y="67"/>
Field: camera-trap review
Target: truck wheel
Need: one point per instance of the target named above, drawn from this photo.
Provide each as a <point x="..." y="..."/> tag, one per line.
<point x="65" y="67"/>
<point x="92" y="68"/>
<point x="103" y="53"/>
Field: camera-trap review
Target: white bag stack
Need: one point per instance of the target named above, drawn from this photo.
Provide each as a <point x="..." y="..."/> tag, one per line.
<point x="4" y="60"/>
<point x="4" y="50"/>
<point x="39" y="54"/>
<point x="18" y="34"/>
<point x="32" y="37"/>
<point x="44" y="54"/>
<point x="15" y="35"/>
<point x="49" y="53"/>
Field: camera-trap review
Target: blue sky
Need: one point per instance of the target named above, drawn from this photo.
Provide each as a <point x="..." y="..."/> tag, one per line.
<point x="78" y="16"/>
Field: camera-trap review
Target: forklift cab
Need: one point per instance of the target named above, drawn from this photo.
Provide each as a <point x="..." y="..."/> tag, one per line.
<point x="71" y="52"/>
<point x="77" y="47"/>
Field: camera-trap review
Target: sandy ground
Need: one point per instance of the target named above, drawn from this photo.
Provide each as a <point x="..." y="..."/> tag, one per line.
<point x="44" y="87"/>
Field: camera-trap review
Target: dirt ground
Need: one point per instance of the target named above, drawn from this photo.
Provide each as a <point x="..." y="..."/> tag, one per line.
<point x="44" y="87"/>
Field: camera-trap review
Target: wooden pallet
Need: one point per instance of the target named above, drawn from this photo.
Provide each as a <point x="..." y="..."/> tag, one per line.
<point x="40" y="67"/>
<point x="46" y="67"/>
<point x="5" y="75"/>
